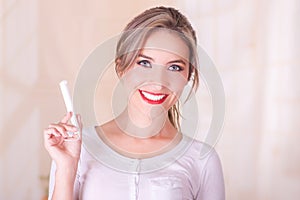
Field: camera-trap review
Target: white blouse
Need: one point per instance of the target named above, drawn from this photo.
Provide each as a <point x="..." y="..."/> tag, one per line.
<point x="191" y="170"/>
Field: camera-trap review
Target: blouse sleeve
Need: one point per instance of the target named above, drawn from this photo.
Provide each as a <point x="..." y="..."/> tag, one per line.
<point x="211" y="179"/>
<point x="52" y="183"/>
<point x="51" y="180"/>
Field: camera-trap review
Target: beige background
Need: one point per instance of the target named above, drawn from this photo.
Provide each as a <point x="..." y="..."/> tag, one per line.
<point x="255" y="45"/>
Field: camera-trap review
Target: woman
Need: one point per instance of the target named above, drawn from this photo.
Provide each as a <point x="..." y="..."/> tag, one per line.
<point x="141" y="154"/>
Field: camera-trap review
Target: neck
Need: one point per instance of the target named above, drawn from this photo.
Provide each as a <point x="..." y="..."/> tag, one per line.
<point x="143" y="124"/>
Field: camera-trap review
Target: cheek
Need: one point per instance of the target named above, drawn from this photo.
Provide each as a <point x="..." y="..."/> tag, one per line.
<point x="132" y="79"/>
<point x="135" y="77"/>
<point x="177" y="82"/>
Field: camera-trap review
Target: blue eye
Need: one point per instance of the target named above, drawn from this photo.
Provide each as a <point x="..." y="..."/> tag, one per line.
<point x="144" y="63"/>
<point x="175" y="68"/>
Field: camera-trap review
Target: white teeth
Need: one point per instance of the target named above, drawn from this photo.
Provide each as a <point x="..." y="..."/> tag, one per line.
<point x="153" y="97"/>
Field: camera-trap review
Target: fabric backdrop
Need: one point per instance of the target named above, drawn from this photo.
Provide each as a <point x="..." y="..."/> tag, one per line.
<point x="254" y="44"/>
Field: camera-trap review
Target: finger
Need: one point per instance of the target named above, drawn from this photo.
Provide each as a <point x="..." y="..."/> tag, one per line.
<point x="63" y="128"/>
<point x="50" y="132"/>
<point x="53" y="141"/>
<point x="66" y="118"/>
<point x="60" y="128"/>
<point x="68" y="127"/>
<point x="53" y="133"/>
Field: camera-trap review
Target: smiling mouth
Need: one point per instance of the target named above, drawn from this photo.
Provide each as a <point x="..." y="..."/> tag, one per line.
<point x="153" y="98"/>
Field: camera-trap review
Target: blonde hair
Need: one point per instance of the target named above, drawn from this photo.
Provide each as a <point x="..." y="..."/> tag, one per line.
<point x="137" y="31"/>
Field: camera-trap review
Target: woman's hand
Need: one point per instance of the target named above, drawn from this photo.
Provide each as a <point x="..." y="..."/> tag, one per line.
<point x="63" y="150"/>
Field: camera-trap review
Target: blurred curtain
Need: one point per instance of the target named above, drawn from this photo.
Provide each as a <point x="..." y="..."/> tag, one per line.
<point x="255" y="46"/>
<point x="20" y="123"/>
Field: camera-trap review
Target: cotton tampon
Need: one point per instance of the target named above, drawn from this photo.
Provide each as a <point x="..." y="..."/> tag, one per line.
<point x="68" y="102"/>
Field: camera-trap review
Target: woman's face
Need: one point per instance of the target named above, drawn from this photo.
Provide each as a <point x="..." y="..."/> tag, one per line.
<point x="160" y="72"/>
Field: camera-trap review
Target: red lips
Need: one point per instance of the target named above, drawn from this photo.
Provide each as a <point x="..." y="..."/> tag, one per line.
<point x="153" y="98"/>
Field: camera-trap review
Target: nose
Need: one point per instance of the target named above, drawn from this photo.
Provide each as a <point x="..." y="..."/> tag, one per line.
<point x="159" y="77"/>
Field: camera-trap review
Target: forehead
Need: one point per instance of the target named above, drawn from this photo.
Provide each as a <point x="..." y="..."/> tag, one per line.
<point x="167" y="41"/>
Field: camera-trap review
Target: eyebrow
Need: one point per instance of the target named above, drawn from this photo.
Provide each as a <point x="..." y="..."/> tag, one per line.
<point x="144" y="56"/>
<point x="173" y="61"/>
<point x="178" y="61"/>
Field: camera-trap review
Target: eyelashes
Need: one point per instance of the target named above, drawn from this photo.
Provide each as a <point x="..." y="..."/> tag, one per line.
<point x="175" y="68"/>
<point x="147" y="64"/>
<point x="144" y="63"/>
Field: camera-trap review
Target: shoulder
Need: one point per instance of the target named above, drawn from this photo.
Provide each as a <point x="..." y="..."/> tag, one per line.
<point x="90" y="140"/>
<point x="88" y="130"/>
<point x="201" y="152"/>
<point x="206" y="171"/>
<point x="202" y="160"/>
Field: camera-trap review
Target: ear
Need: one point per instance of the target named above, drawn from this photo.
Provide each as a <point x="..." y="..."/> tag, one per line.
<point x="117" y="68"/>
